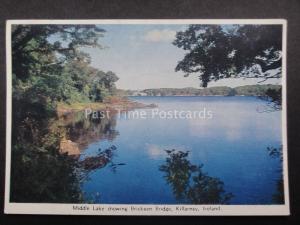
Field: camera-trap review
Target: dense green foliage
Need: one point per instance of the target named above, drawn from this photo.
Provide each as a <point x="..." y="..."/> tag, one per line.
<point x="49" y="67"/>
<point x="48" y="64"/>
<point x="221" y="51"/>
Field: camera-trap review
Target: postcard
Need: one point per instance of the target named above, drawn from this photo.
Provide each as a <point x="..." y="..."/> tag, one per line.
<point x="146" y="117"/>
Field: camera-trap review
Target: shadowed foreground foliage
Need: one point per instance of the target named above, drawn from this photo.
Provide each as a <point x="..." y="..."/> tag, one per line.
<point x="44" y="177"/>
<point x="49" y="68"/>
<point x="276" y="153"/>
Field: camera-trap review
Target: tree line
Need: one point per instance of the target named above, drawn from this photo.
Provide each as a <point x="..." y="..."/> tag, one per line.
<point x="48" y="67"/>
<point x="247" y="90"/>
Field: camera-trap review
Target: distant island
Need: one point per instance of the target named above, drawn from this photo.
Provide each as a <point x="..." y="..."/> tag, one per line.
<point x="247" y="90"/>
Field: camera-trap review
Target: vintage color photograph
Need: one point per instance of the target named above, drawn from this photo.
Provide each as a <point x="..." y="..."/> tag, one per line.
<point x="147" y="113"/>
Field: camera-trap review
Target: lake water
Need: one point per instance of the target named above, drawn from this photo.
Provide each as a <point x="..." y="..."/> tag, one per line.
<point x="231" y="146"/>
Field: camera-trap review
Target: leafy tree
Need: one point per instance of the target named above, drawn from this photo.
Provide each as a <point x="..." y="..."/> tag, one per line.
<point x="48" y="67"/>
<point x="32" y="46"/>
<point x="102" y="85"/>
<point x="216" y="52"/>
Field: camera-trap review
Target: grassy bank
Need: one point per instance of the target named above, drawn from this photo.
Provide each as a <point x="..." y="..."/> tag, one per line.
<point x="111" y="103"/>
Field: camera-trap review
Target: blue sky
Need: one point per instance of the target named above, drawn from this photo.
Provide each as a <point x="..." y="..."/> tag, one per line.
<point x="143" y="56"/>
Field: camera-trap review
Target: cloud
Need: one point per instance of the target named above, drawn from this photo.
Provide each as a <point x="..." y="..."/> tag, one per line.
<point x="158" y="151"/>
<point x="160" y="35"/>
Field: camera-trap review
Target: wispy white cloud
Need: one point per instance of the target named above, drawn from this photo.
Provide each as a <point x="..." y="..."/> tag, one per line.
<point x="158" y="151"/>
<point x="163" y="35"/>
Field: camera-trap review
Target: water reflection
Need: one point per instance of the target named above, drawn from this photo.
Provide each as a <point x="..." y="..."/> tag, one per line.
<point x="276" y="153"/>
<point x="104" y="158"/>
<point x="85" y="131"/>
<point x="77" y="133"/>
<point x="229" y="151"/>
<point x="99" y="161"/>
<point x="189" y="183"/>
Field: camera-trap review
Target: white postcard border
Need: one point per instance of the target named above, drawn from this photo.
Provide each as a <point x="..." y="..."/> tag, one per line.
<point x="90" y="209"/>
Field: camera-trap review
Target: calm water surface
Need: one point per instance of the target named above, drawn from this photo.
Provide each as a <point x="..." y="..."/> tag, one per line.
<point x="232" y="146"/>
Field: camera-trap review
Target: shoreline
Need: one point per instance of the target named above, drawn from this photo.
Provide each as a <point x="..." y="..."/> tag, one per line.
<point x="116" y="104"/>
<point x="195" y="96"/>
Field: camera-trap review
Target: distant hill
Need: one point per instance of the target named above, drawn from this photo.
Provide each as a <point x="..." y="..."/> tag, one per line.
<point x="247" y="90"/>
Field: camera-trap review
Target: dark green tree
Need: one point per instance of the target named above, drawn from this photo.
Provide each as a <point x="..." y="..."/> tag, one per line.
<point x="102" y="85"/>
<point x="32" y="46"/>
<point x="220" y="51"/>
<point x="48" y="67"/>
